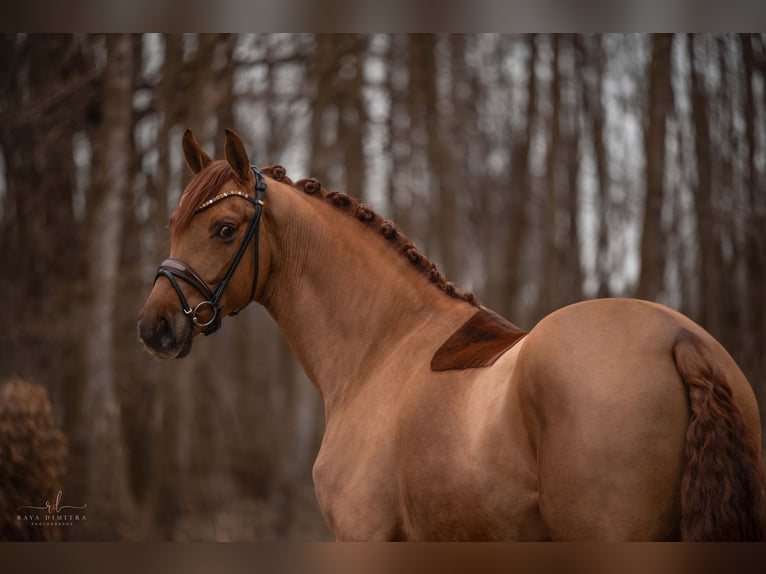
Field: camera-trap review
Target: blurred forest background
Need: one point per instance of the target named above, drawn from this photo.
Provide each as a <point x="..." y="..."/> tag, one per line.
<point x="535" y="170"/>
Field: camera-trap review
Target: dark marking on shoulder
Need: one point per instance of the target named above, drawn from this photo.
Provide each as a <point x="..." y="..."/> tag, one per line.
<point x="479" y="342"/>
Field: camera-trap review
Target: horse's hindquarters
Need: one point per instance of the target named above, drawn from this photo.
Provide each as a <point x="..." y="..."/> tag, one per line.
<point x="609" y="416"/>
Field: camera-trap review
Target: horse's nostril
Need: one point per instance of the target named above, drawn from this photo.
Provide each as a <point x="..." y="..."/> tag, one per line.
<point x="162" y="325"/>
<point x="165" y="332"/>
<point x="157" y="333"/>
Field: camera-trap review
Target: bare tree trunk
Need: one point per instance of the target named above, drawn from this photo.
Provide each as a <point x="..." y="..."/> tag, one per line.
<point x="421" y="184"/>
<point x="107" y="491"/>
<point x="551" y="277"/>
<point x="570" y="258"/>
<point x="399" y="144"/>
<point x="200" y="105"/>
<point x="727" y="293"/>
<point x="593" y="110"/>
<point x="352" y="120"/>
<point x="168" y="109"/>
<point x="223" y="88"/>
<point x="520" y="191"/>
<point x="36" y="208"/>
<point x="441" y="164"/>
<point x="423" y="81"/>
<point x="167" y="415"/>
<point x="709" y="262"/>
<point x="323" y="71"/>
<point x="130" y="385"/>
<point x="755" y="240"/>
<point x="453" y="152"/>
<point x="659" y="105"/>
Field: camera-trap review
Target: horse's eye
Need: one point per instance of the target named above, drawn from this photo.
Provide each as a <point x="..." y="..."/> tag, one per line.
<point x="226" y="231"/>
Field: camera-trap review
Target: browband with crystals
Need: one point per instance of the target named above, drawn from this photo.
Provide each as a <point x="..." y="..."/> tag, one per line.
<point x="205" y="204"/>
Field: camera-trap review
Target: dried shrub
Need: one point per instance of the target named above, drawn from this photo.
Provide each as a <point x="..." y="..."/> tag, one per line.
<point x="32" y="457"/>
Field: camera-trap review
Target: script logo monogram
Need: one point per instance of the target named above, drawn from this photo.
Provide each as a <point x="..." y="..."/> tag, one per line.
<point x="54" y="508"/>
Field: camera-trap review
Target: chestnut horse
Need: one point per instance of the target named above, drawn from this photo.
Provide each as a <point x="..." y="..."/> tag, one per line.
<point x="612" y="419"/>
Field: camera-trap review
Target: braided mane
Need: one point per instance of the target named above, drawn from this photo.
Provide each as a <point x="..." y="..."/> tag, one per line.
<point x="205" y="184"/>
<point x="386" y="228"/>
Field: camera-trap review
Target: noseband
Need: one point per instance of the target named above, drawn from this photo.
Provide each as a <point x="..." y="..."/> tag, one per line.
<point x="172" y="268"/>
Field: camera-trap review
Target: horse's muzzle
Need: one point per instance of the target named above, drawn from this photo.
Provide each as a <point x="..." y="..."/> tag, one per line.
<point x="166" y="336"/>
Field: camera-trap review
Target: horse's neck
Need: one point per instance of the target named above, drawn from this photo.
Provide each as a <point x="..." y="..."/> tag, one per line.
<point x="341" y="296"/>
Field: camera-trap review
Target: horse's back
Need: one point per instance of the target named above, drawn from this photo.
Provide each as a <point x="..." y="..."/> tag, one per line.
<point x="608" y="414"/>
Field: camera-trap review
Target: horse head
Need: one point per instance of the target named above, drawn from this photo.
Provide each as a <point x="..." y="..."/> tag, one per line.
<point x="215" y="254"/>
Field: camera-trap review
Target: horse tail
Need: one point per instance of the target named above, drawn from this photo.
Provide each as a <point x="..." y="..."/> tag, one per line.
<point x="723" y="487"/>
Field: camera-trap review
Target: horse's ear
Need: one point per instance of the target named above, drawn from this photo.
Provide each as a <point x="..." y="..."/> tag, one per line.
<point x="235" y="153"/>
<point x="195" y="157"/>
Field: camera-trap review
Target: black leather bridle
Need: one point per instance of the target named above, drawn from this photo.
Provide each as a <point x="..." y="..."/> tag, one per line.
<point x="172" y="268"/>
